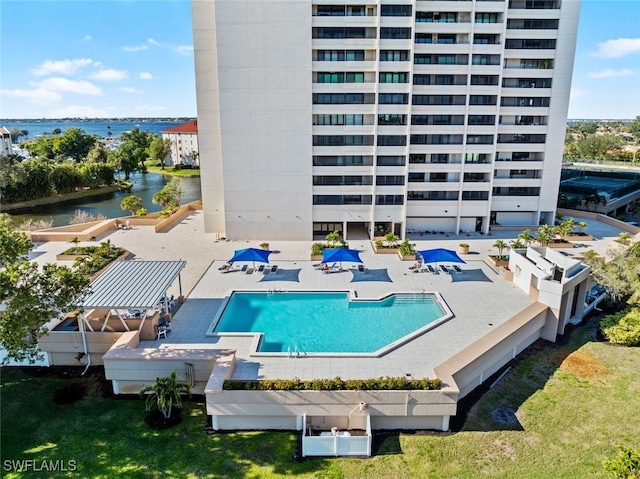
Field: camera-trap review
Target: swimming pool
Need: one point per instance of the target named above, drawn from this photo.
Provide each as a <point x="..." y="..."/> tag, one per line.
<point x="329" y="322"/>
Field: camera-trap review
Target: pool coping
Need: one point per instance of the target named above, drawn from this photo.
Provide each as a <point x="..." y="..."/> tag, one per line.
<point x="352" y="296"/>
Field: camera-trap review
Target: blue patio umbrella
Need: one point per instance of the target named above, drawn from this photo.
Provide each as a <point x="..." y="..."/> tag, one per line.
<point x="251" y="254"/>
<point x="341" y="254"/>
<point x="440" y="255"/>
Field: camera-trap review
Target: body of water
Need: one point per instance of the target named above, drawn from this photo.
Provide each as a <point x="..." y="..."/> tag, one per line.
<point x="144" y="185"/>
<point x="327" y="322"/>
<point x="94" y="127"/>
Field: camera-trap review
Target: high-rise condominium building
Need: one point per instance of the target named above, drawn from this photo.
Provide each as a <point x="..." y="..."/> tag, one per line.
<point x="366" y="117"/>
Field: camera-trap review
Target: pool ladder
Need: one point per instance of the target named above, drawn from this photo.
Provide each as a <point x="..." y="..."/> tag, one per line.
<point x="295" y="353"/>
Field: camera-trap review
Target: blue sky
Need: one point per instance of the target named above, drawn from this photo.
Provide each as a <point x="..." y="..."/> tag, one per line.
<point x="124" y="58"/>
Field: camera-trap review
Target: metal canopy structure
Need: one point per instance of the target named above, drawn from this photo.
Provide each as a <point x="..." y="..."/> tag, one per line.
<point x="132" y="285"/>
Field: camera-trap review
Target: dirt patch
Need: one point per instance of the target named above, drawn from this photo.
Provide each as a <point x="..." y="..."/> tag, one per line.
<point x="70" y="393"/>
<point x="583" y="365"/>
<point x="156" y="420"/>
<point x="505" y="416"/>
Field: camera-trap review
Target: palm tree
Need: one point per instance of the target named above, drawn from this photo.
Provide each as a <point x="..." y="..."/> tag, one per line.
<point x="164" y="394"/>
<point x="132" y="203"/>
<point x="500" y="245"/>
<point x="517" y="243"/>
<point x="624" y="238"/>
<point x="391" y="239"/>
<point x="544" y="235"/>
<point x="526" y="237"/>
<point x="332" y="238"/>
<point x="74" y="241"/>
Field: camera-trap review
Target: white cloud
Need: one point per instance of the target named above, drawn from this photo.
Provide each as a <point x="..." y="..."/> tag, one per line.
<point x="57" y="84"/>
<point x="109" y="74"/>
<point x="78" y="111"/>
<point x="145" y="76"/>
<point x="38" y="95"/>
<point x="88" y="38"/>
<point x="63" y="67"/>
<point x="609" y="73"/>
<point x="151" y="41"/>
<point x="135" y="48"/>
<point x="184" y="49"/>
<point x="618" y="47"/>
<point x="575" y="93"/>
<point x="130" y="89"/>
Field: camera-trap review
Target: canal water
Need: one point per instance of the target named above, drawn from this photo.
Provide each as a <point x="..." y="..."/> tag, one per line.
<point x="108" y="205"/>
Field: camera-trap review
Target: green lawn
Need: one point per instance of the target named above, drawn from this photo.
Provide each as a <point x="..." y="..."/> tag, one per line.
<point x="171" y="171"/>
<point x="573" y="403"/>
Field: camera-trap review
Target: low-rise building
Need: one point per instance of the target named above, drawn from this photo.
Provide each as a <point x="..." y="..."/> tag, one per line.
<point x="6" y="146"/>
<point x="184" y="143"/>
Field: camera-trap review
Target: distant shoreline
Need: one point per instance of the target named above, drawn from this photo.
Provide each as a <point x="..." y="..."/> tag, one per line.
<point x="171" y="119"/>
<point x="49" y="200"/>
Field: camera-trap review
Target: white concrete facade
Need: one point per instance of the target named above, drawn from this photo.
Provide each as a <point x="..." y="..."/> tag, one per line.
<point x="320" y="115"/>
<point x="184" y="144"/>
<point x="6" y="146"/>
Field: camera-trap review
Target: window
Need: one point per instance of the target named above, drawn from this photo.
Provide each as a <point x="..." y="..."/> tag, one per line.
<point x="342" y="140"/>
<point x="338" y="119"/>
<point x="532" y="24"/>
<point x="444" y="80"/>
<point x="515" y="191"/>
<point x="393" y="98"/>
<point x="342" y="98"/>
<point x="421" y="79"/>
<point x="437" y="177"/>
<point x="436" y="139"/>
<point x="519" y="138"/>
<point x="394" y="55"/>
<point x="339" y="55"/>
<point x="351" y="180"/>
<point x="484" y="80"/>
<point x="392" y="140"/>
<point x="329" y="77"/>
<point x="448" y="39"/>
<point x="417" y="159"/>
<point x="416" y="177"/>
<point x="389" y="199"/>
<point x="330" y="11"/>
<point x="487" y="18"/>
<point x="432" y="195"/>
<point x="396" y="11"/>
<point x="393" y="77"/>
<point x="395" y="160"/>
<point x="348" y="160"/>
<point x="391" y="33"/>
<point x="354" y="77"/>
<point x="486" y="39"/>
<point x="389" y="180"/>
<point x="339" y="32"/>
<point x="482" y="99"/>
<point x="475" y="195"/>
<point x="436" y="17"/>
<point x="481" y="120"/>
<point x="530" y="44"/>
<point x="392" y="119"/>
<point x="342" y="199"/>
<point x="423" y="38"/>
<point x="486" y="59"/>
<point x="476" y="158"/>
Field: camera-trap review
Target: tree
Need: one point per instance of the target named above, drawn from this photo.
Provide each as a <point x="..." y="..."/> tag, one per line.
<point x="544" y="235"/>
<point x="527" y="237"/>
<point x="619" y="274"/>
<point x="135" y="144"/>
<point x="391" y="239"/>
<point x="597" y="146"/>
<point x="74" y="143"/>
<point x="165" y="394"/>
<point x="15" y="134"/>
<point x="75" y="241"/>
<point x="625" y="465"/>
<point x="332" y="238"/>
<point x="169" y="196"/>
<point x="634" y="127"/>
<point x="500" y="245"/>
<point x="98" y="154"/>
<point x="56" y="131"/>
<point x="32" y="296"/>
<point x="132" y="203"/>
<point x="158" y="150"/>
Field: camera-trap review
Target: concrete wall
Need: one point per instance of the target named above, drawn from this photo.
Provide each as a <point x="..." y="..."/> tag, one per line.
<point x="63" y="347"/>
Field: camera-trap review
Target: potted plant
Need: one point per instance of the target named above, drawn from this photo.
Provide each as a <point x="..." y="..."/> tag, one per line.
<point x="500" y="260"/>
<point x="463" y="248"/>
<point x="406" y="251"/>
<point x="264" y="245"/>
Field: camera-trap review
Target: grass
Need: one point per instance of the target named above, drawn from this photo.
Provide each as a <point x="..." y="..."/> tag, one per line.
<point x="572" y="404"/>
<point x="171" y="171"/>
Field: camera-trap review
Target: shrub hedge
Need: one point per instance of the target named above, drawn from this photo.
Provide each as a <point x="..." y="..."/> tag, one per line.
<point x="623" y="327"/>
<point x="335" y="384"/>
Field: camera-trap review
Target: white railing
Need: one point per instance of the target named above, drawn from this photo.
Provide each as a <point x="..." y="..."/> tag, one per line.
<point x="339" y="444"/>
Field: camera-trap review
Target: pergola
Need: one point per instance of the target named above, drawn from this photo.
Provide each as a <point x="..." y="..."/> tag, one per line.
<point x="128" y="285"/>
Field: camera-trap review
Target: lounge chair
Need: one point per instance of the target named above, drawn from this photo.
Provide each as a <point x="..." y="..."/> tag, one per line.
<point x="318" y="265"/>
<point x="274" y="268"/>
<point x="431" y="269"/>
<point x="250" y="271"/>
<point x="457" y="269"/>
<point x="261" y="268"/>
<point x="225" y="266"/>
<point x="244" y="268"/>
<point x="361" y="268"/>
<point x="444" y="269"/>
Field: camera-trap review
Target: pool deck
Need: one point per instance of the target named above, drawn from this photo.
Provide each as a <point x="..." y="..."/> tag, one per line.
<point x="479" y="298"/>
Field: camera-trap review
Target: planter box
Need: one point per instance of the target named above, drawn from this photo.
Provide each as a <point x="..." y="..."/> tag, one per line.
<point x="316" y="257"/>
<point x="558" y="244"/>
<point x="385" y="250"/>
<point x="506" y="273"/>
<point x="498" y="263"/>
<point x="408" y="257"/>
<point x="577" y="237"/>
<point x="463" y="249"/>
<point x="70" y="257"/>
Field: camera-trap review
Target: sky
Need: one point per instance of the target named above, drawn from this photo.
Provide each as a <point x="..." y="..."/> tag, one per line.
<point x="134" y="58"/>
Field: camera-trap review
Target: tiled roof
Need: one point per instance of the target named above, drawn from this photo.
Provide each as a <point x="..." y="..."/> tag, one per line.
<point x="188" y="127"/>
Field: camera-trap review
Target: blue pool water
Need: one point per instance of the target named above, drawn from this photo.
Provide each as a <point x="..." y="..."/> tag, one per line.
<point x="326" y="322"/>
